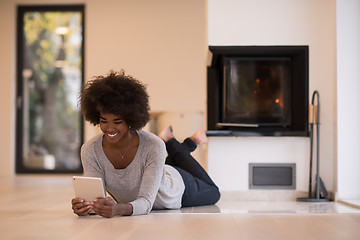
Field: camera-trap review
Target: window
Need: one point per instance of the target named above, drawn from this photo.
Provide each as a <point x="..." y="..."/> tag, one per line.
<point x="50" y="72"/>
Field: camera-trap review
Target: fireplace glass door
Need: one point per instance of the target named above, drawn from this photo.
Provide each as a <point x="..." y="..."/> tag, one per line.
<point x="257" y="91"/>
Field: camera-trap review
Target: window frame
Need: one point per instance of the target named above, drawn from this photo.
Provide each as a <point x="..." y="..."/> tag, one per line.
<point x="20" y="167"/>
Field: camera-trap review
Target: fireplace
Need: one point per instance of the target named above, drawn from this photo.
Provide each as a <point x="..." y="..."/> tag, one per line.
<point x="258" y="90"/>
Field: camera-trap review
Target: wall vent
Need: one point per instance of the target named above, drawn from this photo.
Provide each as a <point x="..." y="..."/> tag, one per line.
<point x="272" y="176"/>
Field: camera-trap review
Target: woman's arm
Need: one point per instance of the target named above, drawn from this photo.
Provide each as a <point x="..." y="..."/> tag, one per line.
<point x="152" y="175"/>
<point x="90" y="162"/>
<point x="91" y="169"/>
<point x="107" y="207"/>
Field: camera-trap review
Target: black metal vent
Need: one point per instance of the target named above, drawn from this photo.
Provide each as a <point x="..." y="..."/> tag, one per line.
<point x="272" y="175"/>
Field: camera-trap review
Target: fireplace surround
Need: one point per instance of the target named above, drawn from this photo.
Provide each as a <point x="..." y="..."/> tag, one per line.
<point x="258" y="91"/>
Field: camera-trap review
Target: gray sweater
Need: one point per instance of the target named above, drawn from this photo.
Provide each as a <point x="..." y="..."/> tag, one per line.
<point x="146" y="183"/>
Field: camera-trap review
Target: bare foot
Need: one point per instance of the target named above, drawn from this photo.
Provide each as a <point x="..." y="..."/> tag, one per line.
<point x="199" y="137"/>
<point x="166" y="134"/>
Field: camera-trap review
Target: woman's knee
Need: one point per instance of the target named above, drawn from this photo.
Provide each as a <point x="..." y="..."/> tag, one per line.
<point x="216" y="195"/>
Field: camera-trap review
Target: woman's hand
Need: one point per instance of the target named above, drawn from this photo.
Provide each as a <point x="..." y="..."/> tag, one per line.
<point x="81" y="207"/>
<point x="107" y="207"/>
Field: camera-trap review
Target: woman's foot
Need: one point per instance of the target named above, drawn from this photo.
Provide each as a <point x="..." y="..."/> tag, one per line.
<point x="166" y="134"/>
<point x="199" y="137"/>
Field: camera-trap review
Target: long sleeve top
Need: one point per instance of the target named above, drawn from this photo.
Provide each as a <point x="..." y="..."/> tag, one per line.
<point x="146" y="183"/>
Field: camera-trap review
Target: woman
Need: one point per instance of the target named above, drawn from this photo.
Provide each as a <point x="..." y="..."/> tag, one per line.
<point x="131" y="162"/>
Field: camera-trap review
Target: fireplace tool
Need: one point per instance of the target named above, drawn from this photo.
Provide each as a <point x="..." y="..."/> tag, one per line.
<point x="314" y="119"/>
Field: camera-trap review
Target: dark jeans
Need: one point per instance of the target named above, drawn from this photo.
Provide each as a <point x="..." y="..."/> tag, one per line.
<point x="199" y="188"/>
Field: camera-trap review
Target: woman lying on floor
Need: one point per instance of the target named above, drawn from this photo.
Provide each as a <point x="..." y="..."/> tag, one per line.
<point x="133" y="164"/>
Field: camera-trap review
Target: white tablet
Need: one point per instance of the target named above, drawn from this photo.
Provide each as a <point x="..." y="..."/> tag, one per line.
<point x="88" y="188"/>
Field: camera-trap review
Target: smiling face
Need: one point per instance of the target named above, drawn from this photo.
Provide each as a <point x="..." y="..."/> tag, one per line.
<point x="114" y="128"/>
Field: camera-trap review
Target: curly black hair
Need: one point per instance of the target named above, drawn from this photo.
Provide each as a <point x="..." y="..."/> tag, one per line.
<point x="117" y="94"/>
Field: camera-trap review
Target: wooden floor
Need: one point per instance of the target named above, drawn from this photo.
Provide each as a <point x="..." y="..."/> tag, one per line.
<point x="39" y="208"/>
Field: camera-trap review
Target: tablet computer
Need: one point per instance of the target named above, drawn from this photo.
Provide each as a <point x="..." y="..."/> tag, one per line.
<point x="88" y="188"/>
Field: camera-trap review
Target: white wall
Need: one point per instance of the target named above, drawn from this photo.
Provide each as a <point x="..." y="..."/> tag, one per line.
<point x="278" y="22"/>
<point x="348" y="98"/>
<point x="161" y="42"/>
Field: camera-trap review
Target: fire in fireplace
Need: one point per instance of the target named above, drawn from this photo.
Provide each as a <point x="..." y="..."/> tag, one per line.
<point x="258" y="90"/>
